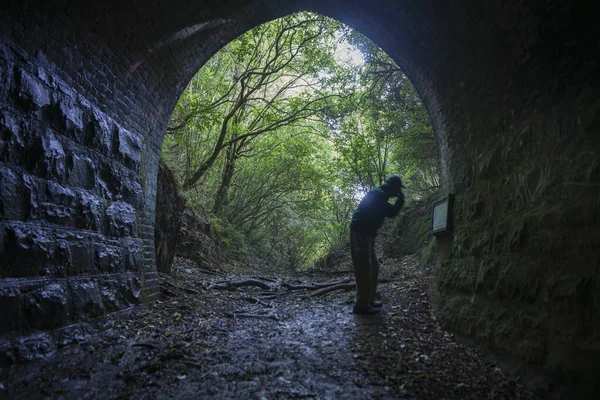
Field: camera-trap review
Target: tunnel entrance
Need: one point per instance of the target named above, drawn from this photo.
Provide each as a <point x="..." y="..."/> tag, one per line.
<point x="88" y="88"/>
<point x="278" y="137"/>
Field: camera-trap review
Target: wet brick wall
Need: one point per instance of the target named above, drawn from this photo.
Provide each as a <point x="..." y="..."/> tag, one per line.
<point x="71" y="189"/>
<point x="511" y="88"/>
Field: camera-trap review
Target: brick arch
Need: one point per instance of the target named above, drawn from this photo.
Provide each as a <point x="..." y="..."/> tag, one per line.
<point x="396" y="34"/>
<point x="87" y="89"/>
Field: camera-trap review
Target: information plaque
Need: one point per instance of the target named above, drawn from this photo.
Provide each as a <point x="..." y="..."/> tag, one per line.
<point x="441" y="220"/>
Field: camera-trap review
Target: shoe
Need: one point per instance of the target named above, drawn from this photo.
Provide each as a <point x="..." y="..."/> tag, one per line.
<point x="365" y="310"/>
<point x="376" y="304"/>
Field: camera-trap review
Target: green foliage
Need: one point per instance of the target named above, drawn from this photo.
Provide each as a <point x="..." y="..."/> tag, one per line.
<point x="279" y="138"/>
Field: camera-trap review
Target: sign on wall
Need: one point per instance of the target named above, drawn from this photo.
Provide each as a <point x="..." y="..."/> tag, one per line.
<point x="442" y="215"/>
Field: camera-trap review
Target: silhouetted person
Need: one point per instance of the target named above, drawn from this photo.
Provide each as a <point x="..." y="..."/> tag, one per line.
<point x="366" y="221"/>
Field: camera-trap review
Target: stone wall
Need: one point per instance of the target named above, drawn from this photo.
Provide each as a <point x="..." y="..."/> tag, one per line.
<point x="70" y="246"/>
<point x="522" y="275"/>
<point x="521" y="271"/>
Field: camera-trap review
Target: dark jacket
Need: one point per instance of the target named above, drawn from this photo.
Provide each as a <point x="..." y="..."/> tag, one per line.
<point x="372" y="210"/>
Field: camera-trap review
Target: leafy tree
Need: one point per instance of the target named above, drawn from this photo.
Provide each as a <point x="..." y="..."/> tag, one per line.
<point x="273" y="81"/>
<point x="394" y="102"/>
<point x="277" y="138"/>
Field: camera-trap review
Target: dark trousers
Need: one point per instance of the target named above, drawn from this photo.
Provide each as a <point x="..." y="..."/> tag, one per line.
<point x="366" y="267"/>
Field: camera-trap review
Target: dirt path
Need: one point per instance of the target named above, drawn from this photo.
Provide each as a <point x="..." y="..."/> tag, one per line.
<point x="197" y="346"/>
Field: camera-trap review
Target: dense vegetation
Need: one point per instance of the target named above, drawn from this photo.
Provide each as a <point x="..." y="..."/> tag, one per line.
<point x="281" y="132"/>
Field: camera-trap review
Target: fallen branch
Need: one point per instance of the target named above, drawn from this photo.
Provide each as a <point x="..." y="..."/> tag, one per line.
<point x="264" y="278"/>
<point x="271" y="296"/>
<point x="341" y="286"/>
<point x="328" y="284"/>
<point x="209" y="271"/>
<point x="289" y="286"/>
<point x="313" y="286"/>
<point x="243" y="283"/>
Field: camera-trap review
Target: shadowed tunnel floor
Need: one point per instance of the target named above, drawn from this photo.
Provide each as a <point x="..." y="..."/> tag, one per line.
<point x="210" y="344"/>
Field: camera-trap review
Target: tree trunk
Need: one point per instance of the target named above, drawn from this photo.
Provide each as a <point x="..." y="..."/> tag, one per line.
<point x="221" y="198"/>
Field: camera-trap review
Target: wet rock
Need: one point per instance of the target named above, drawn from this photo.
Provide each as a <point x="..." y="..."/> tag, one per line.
<point x="118" y="183"/>
<point x="112" y="291"/>
<point x="127" y="147"/>
<point x="44" y="156"/>
<point x="89" y="212"/>
<point x="86" y="298"/>
<point x="121" y="219"/>
<point x="72" y="112"/>
<point x="14" y="202"/>
<point x="47" y="307"/>
<point x="11" y="309"/>
<point x="133" y="192"/>
<point x="54" y="155"/>
<point x="119" y="292"/>
<point x="7" y="353"/>
<point x="97" y="134"/>
<point x="169" y="209"/>
<point x="51" y="202"/>
<point x="81" y="260"/>
<point x="25" y="252"/>
<point x="34" y="347"/>
<point x="80" y="171"/>
<point x="11" y="143"/>
<point x="32" y="92"/>
<point x="133" y="258"/>
<point x="73" y="334"/>
<point x="54" y="117"/>
<point x="133" y="294"/>
<point x="6" y="68"/>
<point x="33" y="158"/>
<point x="107" y="258"/>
